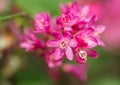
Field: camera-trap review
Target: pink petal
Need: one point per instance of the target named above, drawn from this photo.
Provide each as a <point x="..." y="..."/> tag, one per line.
<point x="27" y="46"/>
<point x="92" y="20"/>
<point x="67" y="35"/>
<point x="87" y="32"/>
<point x="92" y="42"/>
<point x="101" y="43"/>
<point x="84" y="11"/>
<point x="58" y="35"/>
<point x="58" y="54"/>
<point x="80" y="42"/>
<point x="73" y="21"/>
<point x="67" y="28"/>
<point x="52" y="43"/>
<point x="73" y="43"/>
<point x="100" y="28"/>
<point x="92" y="53"/>
<point x="42" y="22"/>
<point x="69" y="53"/>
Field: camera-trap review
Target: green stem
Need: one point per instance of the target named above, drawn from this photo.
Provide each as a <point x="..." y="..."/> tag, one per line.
<point x="12" y="16"/>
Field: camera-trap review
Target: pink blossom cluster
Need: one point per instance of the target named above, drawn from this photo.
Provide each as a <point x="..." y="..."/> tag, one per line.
<point x="73" y="34"/>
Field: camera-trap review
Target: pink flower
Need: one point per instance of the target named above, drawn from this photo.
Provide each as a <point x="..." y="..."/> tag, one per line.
<point x="85" y="36"/>
<point x="72" y="16"/>
<point x="97" y="31"/>
<point x="67" y="21"/>
<point x="30" y="41"/>
<point x="75" y="9"/>
<point x="78" y="71"/>
<point x="87" y="39"/>
<point x="81" y="55"/>
<point x="52" y="63"/>
<point x="63" y="44"/>
<point x="42" y="22"/>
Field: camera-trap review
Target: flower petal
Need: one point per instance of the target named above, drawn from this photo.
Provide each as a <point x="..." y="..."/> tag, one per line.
<point x="84" y="11"/>
<point x="69" y="53"/>
<point x="86" y="32"/>
<point x="58" y="54"/>
<point x="27" y="46"/>
<point x="99" y="29"/>
<point x="100" y="42"/>
<point x="68" y="28"/>
<point x="92" y="20"/>
<point x="52" y="43"/>
<point x="92" y="53"/>
<point x="42" y="22"/>
<point x="67" y="35"/>
<point x="92" y="42"/>
<point x="73" y="43"/>
<point x="57" y="35"/>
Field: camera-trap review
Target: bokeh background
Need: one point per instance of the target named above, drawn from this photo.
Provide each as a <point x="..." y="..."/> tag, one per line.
<point x="20" y="68"/>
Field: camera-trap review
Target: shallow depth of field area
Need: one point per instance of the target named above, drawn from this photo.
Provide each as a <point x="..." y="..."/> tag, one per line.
<point x="59" y="42"/>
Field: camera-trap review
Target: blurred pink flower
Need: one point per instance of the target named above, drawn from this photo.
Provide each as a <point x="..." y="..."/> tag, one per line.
<point x="78" y="71"/>
<point x="42" y="22"/>
<point x="75" y="9"/>
<point x="67" y="21"/>
<point x="30" y="41"/>
<point x="52" y="63"/>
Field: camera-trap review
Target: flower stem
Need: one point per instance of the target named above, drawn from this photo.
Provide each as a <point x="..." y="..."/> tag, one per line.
<point x="12" y="16"/>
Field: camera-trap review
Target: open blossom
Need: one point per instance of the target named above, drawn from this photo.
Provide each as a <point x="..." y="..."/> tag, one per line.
<point x="75" y="9"/>
<point x="42" y="22"/>
<point x="72" y="16"/>
<point x="63" y="44"/>
<point x="67" y="21"/>
<point x="87" y="39"/>
<point x="30" y="41"/>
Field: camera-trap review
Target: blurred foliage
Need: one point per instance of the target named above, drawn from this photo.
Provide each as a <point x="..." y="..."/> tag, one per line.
<point x="33" y="72"/>
<point x="33" y="6"/>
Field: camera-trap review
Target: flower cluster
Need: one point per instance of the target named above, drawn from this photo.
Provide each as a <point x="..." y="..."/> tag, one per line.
<point x="72" y="34"/>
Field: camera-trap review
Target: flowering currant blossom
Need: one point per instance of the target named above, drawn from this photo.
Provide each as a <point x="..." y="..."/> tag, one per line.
<point x="66" y="21"/>
<point x="42" y="22"/>
<point x="30" y="41"/>
<point x="72" y="34"/>
<point x="87" y="39"/>
<point x="63" y="43"/>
